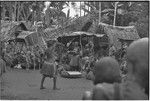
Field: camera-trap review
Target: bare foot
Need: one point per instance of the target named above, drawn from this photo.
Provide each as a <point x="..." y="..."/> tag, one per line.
<point x="42" y="88"/>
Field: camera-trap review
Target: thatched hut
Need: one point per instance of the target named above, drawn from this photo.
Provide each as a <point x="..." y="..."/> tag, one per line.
<point x="10" y="29"/>
<point x="72" y="25"/>
<point x="5" y="29"/>
<point x="115" y="33"/>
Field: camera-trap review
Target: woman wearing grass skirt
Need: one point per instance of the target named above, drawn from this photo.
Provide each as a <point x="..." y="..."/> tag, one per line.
<point x="49" y="68"/>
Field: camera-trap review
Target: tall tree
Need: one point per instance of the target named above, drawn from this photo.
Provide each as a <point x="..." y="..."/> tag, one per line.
<point x="54" y="13"/>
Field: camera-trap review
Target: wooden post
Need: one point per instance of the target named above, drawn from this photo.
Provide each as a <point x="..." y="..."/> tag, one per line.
<point x="81" y="42"/>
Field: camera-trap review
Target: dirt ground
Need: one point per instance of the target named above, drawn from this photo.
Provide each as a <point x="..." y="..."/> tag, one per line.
<point x="25" y="85"/>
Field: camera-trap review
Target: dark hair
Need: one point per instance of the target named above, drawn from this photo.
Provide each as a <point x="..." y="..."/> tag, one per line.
<point x="107" y="70"/>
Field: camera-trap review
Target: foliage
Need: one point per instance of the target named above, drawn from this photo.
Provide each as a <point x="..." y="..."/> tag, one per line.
<point x="139" y="10"/>
<point x="18" y="10"/>
<point x="142" y="26"/>
<point x="128" y="13"/>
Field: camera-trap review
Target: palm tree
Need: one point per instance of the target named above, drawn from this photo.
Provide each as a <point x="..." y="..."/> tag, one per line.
<point x="107" y="11"/>
<point x="55" y="12"/>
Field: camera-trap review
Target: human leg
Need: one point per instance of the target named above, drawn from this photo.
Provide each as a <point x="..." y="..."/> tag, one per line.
<point x="42" y="81"/>
<point x="54" y="84"/>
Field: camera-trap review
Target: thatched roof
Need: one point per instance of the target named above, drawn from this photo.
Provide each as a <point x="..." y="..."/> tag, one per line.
<point x="117" y="32"/>
<point x="24" y="34"/>
<point x="79" y="23"/>
<point x="5" y="28"/>
<point x="9" y="28"/>
<point x="77" y="33"/>
<point x="51" y="33"/>
<point x="72" y="26"/>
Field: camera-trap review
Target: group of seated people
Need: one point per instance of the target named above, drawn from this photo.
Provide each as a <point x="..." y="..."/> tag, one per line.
<point x="108" y="83"/>
<point x="77" y="56"/>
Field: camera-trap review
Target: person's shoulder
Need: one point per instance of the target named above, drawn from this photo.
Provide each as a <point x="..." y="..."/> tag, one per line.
<point x="105" y="86"/>
<point x="103" y="91"/>
<point x="132" y="91"/>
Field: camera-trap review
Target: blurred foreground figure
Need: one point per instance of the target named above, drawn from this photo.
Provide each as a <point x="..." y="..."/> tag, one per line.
<point x="107" y="72"/>
<point x="138" y="65"/>
<point x="137" y="85"/>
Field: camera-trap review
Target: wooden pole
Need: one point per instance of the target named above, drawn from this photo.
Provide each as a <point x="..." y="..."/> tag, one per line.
<point x="81" y="42"/>
<point x="115" y="13"/>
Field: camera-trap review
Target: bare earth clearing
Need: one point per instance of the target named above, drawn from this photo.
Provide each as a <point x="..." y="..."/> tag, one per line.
<point x="23" y="85"/>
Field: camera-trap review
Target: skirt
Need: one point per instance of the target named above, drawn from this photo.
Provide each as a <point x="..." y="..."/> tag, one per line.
<point x="48" y="69"/>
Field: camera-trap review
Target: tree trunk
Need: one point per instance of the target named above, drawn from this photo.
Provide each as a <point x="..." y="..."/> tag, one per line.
<point x="84" y="8"/>
<point x="10" y="14"/>
<point x="80" y="8"/>
<point x="99" y="12"/>
<point x="3" y="13"/>
<point x="22" y="9"/>
<point x="88" y="7"/>
<point x="18" y="11"/>
<point x="115" y="14"/>
<point x="15" y="11"/>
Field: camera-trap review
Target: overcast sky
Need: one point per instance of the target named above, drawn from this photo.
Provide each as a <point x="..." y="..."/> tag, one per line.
<point x="73" y="12"/>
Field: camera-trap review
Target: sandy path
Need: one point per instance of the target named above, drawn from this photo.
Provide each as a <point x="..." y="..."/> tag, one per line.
<point x="22" y="84"/>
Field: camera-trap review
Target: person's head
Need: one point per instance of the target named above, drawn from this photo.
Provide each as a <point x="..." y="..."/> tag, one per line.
<point x="107" y="70"/>
<point x="138" y="62"/>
